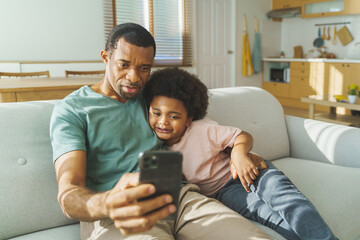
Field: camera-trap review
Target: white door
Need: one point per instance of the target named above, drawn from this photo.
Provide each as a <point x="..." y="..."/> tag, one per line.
<point x="215" y="42"/>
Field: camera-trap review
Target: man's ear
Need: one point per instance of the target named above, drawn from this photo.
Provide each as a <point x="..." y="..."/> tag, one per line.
<point x="104" y="56"/>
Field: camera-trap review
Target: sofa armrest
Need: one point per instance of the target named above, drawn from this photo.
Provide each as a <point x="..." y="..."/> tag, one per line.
<point x="324" y="142"/>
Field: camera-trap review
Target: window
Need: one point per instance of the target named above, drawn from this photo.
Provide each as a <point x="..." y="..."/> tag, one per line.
<point x="169" y="21"/>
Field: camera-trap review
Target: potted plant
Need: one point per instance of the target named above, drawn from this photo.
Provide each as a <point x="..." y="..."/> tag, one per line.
<point x="353" y="91"/>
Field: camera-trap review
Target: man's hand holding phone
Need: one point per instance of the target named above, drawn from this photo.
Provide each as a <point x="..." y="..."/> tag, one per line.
<point x="133" y="216"/>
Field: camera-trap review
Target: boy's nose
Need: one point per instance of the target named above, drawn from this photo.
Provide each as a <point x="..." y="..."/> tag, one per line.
<point x="163" y="120"/>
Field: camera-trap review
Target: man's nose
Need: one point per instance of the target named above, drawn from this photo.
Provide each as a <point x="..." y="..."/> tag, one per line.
<point x="133" y="75"/>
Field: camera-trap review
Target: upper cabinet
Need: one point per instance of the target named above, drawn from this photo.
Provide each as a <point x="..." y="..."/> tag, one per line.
<point x="353" y="7"/>
<point x="324" y="8"/>
<point x="281" y="4"/>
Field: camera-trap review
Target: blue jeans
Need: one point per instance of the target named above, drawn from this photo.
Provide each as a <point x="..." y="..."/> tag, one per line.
<point x="275" y="202"/>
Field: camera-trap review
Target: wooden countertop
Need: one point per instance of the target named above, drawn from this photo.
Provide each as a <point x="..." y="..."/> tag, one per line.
<point x="328" y="60"/>
<point x="26" y="84"/>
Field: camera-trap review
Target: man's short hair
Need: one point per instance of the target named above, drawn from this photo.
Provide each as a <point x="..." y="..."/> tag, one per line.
<point x="132" y="33"/>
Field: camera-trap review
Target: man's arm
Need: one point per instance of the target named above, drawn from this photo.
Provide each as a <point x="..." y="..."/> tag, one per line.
<point x="119" y="204"/>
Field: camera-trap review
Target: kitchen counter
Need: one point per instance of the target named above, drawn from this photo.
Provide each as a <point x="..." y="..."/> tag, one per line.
<point x="329" y="60"/>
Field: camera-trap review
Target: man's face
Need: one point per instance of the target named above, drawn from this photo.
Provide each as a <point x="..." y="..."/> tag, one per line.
<point x="127" y="69"/>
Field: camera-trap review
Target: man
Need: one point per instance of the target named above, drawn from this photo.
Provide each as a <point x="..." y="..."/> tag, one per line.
<point x="97" y="133"/>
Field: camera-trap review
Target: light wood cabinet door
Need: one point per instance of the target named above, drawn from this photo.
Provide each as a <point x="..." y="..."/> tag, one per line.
<point x="341" y="75"/>
<point x="307" y="79"/>
<point x="323" y="8"/>
<point x="281" y="4"/>
<point x="300" y="87"/>
<point x="277" y="89"/>
<point x="352" y="7"/>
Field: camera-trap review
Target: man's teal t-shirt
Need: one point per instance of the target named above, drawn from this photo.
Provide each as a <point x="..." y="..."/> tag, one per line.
<point x="111" y="133"/>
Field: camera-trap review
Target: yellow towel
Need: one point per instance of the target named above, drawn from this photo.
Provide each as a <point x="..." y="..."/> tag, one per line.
<point x="247" y="67"/>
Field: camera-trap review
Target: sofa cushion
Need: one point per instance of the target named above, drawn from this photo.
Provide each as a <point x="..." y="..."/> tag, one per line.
<point x="324" y="142"/>
<point x="27" y="177"/>
<point x="244" y="107"/>
<point x="332" y="189"/>
<point x="69" y="232"/>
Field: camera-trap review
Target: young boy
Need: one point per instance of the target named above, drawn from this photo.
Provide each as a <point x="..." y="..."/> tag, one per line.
<point x="178" y="104"/>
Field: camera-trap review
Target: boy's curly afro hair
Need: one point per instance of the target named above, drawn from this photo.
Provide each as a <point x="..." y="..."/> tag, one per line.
<point x="179" y="84"/>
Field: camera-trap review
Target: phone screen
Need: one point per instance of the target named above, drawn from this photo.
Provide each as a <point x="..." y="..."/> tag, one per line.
<point x="163" y="169"/>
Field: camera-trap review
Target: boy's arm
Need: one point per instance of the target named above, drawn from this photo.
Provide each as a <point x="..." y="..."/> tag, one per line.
<point x="245" y="165"/>
<point x="119" y="204"/>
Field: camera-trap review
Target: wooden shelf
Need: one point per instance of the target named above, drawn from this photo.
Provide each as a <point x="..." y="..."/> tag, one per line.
<point x="338" y="119"/>
<point x="332" y="116"/>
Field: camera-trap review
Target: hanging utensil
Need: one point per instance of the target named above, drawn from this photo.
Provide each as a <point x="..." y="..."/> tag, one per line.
<point x="344" y="36"/>
<point x="334" y="40"/>
<point x="247" y="67"/>
<point x="324" y="33"/>
<point x="328" y="32"/>
<point x="318" y="42"/>
<point x="256" y="53"/>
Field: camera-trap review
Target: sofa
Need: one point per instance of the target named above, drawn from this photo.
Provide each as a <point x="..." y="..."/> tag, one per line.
<point x="322" y="160"/>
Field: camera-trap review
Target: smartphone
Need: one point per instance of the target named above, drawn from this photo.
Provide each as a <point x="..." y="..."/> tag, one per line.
<point x="163" y="169"/>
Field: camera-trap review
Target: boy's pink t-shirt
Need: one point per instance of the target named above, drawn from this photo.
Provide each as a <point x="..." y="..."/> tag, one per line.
<point x="204" y="162"/>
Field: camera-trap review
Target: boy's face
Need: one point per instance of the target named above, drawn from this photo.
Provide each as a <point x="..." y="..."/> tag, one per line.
<point x="168" y="118"/>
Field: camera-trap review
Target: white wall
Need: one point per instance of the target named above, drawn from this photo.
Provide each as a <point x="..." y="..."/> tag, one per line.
<point x="51" y="30"/>
<point x="73" y="30"/>
<point x="298" y="31"/>
<point x="270" y="35"/>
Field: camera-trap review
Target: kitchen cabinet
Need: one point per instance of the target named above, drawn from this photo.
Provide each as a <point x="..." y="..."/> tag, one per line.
<point x="353" y="7"/>
<point x="281" y="4"/>
<point x="323" y="8"/>
<point x="341" y="75"/>
<point x="277" y="89"/>
<point x="300" y="85"/>
<point x="321" y="78"/>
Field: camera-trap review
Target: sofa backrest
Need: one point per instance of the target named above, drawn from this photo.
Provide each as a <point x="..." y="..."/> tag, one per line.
<point x="27" y="178"/>
<point x="28" y="186"/>
<point x="255" y="111"/>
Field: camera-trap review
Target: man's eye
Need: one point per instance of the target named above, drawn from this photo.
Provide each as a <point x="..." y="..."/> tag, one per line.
<point x="156" y="113"/>
<point x="123" y="65"/>
<point x="145" y="69"/>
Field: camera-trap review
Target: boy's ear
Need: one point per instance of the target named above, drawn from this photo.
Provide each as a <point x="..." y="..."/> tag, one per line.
<point x="188" y="121"/>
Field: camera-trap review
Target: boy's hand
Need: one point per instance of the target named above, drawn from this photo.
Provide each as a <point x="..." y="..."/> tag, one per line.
<point x="258" y="161"/>
<point x="247" y="169"/>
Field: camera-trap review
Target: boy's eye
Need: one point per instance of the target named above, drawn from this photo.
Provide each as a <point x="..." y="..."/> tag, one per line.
<point x="174" y="117"/>
<point x="156" y="113"/>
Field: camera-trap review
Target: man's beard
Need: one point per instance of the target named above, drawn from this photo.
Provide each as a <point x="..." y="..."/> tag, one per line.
<point x="127" y="96"/>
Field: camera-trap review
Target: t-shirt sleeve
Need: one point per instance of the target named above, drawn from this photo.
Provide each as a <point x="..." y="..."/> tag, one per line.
<point x="67" y="130"/>
<point x="222" y="136"/>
